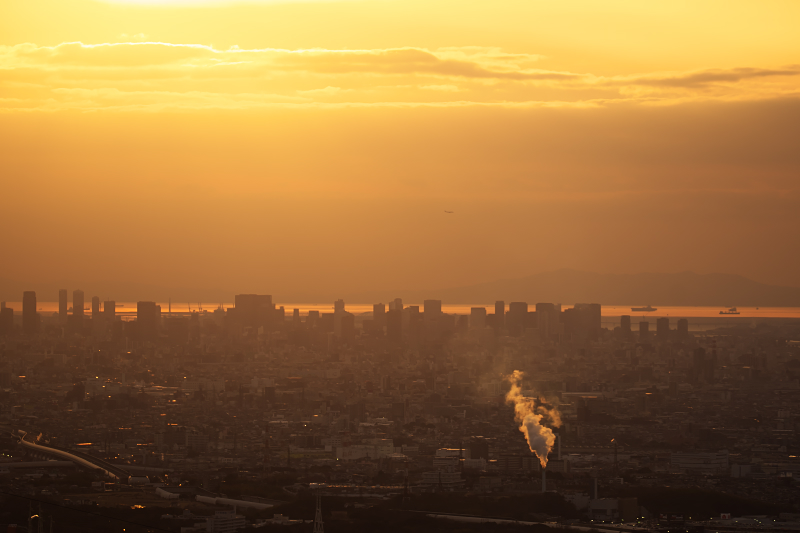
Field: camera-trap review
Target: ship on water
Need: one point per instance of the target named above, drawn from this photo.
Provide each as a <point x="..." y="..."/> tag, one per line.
<point x="731" y="311"/>
<point x="648" y="309"/>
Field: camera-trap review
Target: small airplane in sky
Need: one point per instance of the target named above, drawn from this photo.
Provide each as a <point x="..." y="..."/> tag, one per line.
<point x="448" y="212"/>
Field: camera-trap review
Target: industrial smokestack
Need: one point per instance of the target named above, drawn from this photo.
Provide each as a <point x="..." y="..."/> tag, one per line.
<point x="544" y="480"/>
<point x="531" y="414"/>
<point x="558" y="438"/>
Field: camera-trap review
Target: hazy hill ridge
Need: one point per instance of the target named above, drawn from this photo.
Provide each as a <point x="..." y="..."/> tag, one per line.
<point x="573" y="286"/>
<point x="561" y="286"/>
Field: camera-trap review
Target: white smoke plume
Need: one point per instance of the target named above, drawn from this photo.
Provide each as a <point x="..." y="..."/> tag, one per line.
<point x="532" y="417"/>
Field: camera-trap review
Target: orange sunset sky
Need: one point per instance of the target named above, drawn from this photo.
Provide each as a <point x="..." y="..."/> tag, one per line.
<point x="286" y="146"/>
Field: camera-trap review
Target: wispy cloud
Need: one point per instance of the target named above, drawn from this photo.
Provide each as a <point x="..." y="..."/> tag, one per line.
<point x="469" y="63"/>
<point x="448" y="88"/>
<point x="156" y="75"/>
<point x="702" y="78"/>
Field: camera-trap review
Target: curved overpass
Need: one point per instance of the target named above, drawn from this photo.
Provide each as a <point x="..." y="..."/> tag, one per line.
<point x="81" y="459"/>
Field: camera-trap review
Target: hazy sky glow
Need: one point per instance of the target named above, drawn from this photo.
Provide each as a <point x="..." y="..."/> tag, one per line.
<point x="309" y="144"/>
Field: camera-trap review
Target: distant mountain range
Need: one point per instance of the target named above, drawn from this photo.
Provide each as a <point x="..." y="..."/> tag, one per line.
<point x="120" y="291"/>
<point x="561" y="286"/>
<point x="573" y="286"/>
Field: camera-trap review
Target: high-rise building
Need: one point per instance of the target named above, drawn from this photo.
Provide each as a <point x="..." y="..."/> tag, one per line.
<point x="6" y="320"/>
<point x="254" y="310"/>
<point x="379" y="315"/>
<point x="432" y="309"/>
<point x="338" y="315"/>
<point x="148" y="318"/>
<point x="591" y="319"/>
<point x="432" y="315"/>
<point x="644" y="331"/>
<point x="109" y="312"/>
<point x="77" y="305"/>
<point x="76" y="320"/>
<point x="347" y="327"/>
<point x="683" y="329"/>
<point x="500" y="316"/>
<point x="97" y="323"/>
<point x="477" y="318"/>
<point x="516" y="318"/>
<point x="30" y="318"/>
<point x="547" y="320"/>
<point x="394" y="326"/>
<point x="397" y="303"/>
<point x="625" y="325"/>
<point x="662" y="329"/>
<point x="63" y="305"/>
<point x="583" y="321"/>
<point x="312" y="319"/>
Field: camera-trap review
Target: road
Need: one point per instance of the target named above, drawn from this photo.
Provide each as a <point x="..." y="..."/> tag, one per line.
<point x="81" y="459"/>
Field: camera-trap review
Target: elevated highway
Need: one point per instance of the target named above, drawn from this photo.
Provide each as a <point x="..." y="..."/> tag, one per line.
<point x="83" y="460"/>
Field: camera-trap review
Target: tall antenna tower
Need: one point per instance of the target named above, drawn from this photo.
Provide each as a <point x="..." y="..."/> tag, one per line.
<point x="318" y="517"/>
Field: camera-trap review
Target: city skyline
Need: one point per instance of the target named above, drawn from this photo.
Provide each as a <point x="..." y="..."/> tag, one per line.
<point x="395" y="266"/>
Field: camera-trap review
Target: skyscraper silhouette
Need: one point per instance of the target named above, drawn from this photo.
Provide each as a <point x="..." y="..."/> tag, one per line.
<point x="394" y="326"/>
<point x="432" y="309"/>
<point x="96" y="322"/>
<point x="625" y="325"/>
<point x="109" y="313"/>
<point x="662" y="329"/>
<point x="6" y="320"/>
<point x="63" y="305"/>
<point x="500" y="316"/>
<point x="379" y="315"/>
<point x="583" y="321"/>
<point x="254" y="310"/>
<point x="683" y="329"/>
<point x="547" y="320"/>
<point x="477" y="318"/>
<point x="338" y="315"/>
<point x="30" y="319"/>
<point x="77" y="310"/>
<point x="432" y="315"/>
<point x="644" y="331"/>
<point x="148" y="316"/>
<point x="517" y="315"/>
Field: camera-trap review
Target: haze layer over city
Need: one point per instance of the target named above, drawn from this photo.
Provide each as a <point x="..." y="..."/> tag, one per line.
<point x="394" y="266"/>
